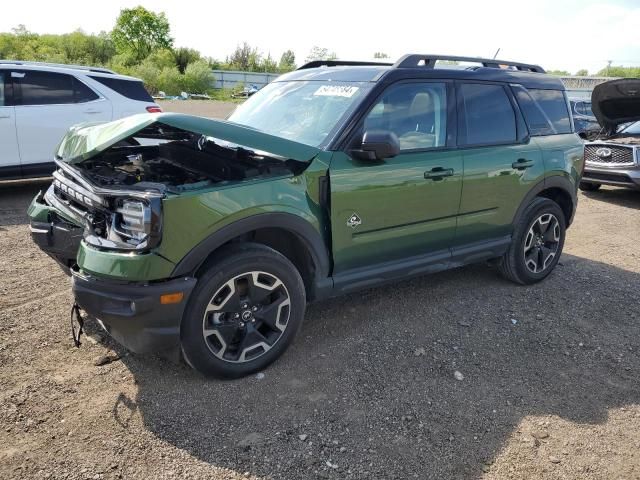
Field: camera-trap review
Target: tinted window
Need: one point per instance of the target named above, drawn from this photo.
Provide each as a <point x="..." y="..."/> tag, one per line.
<point x="43" y="88"/>
<point x="82" y="92"/>
<point x="488" y="116"/>
<point x="554" y="105"/>
<point x="132" y="89"/>
<point x="538" y="122"/>
<point x="415" y="112"/>
<point x="1" y="89"/>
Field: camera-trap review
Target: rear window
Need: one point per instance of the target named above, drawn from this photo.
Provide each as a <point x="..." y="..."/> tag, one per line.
<point x="489" y="117"/>
<point x="133" y="89"/>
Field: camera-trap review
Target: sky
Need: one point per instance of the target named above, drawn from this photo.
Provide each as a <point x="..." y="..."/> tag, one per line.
<point x="556" y="34"/>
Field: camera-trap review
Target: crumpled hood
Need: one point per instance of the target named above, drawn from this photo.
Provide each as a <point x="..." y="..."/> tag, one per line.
<point x="87" y="140"/>
<point x="616" y="102"/>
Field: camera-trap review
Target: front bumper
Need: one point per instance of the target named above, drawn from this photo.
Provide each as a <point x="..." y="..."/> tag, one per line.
<point x="132" y="313"/>
<point x="619" y="177"/>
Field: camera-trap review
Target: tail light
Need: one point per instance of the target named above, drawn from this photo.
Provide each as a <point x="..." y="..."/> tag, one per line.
<point x="154" y="109"/>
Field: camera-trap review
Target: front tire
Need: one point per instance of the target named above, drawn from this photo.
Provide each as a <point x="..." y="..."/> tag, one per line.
<point x="589" y="186"/>
<point x="537" y="243"/>
<point x="244" y="312"/>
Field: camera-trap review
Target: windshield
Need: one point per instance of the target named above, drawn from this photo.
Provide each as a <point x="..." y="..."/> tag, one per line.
<point x="632" y="128"/>
<point x="303" y="111"/>
<point x="582" y="108"/>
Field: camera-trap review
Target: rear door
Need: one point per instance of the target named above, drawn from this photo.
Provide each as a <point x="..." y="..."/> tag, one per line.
<point x="407" y="205"/>
<point x="46" y="105"/>
<point x="9" y="154"/>
<point x="501" y="164"/>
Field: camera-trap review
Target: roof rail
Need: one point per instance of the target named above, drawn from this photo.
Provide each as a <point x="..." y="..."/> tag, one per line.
<point x="59" y="65"/>
<point x="340" y="63"/>
<point x="416" y="60"/>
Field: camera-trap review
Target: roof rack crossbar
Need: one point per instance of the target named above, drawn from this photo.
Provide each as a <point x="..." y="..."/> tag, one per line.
<point x="339" y="63"/>
<point x="59" y="65"/>
<point x="416" y="60"/>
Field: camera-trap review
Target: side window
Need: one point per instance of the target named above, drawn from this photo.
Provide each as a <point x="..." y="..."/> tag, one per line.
<point x="1" y="89"/>
<point x="82" y="93"/>
<point x="415" y="112"/>
<point x="488" y="116"/>
<point x="538" y="122"/>
<point x="43" y="88"/>
<point x="554" y="105"/>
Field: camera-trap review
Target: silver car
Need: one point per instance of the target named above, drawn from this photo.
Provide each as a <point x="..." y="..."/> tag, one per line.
<point x="613" y="157"/>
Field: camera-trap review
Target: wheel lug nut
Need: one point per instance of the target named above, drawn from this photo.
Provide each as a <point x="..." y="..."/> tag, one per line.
<point x="245" y="305"/>
<point x="237" y="315"/>
<point x="254" y="308"/>
<point x="241" y="324"/>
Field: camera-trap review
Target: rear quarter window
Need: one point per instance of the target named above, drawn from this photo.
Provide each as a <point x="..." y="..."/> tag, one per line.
<point x="132" y="89"/>
<point x="545" y="111"/>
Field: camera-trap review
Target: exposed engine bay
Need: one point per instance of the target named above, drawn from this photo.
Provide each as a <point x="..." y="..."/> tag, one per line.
<point x="168" y="159"/>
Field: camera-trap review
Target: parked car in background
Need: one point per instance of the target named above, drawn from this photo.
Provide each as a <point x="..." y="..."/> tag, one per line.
<point x="39" y="102"/>
<point x="613" y="157"/>
<point x="336" y="177"/>
<point x="584" y="120"/>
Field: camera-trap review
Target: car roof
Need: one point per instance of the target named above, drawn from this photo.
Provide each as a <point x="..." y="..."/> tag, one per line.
<point x="61" y="68"/>
<point x="530" y="76"/>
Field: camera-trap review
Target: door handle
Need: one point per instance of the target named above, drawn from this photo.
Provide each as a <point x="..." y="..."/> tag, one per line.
<point x="92" y="111"/>
<point x="522" y="163"/>
<point x="438" y="173"/>
<point x="5" y="116"/>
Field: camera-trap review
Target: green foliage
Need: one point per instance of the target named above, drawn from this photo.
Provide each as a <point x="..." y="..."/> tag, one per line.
<point x="380" y="55"/>
<point x="138" y="32"/>
<point x="619" y="71"/>
<point x="582" y="72"/>
<point x="559" y="73"/>
<point x="184" y="56"/>
<point x="197" y="77"/>
<point x="320" y="53"/>
<point x="287" y="61"/>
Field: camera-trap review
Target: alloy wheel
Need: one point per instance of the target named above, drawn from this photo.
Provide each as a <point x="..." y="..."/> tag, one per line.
<point x="246" y="317"/>
<point x="541" y="243"/>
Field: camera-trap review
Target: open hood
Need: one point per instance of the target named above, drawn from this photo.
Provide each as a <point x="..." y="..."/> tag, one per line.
<point x="616" y="102"/>
<point x="87" y="140"/>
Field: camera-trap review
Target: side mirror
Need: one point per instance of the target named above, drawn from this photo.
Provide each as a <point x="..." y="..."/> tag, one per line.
<point x="377" y="145"/>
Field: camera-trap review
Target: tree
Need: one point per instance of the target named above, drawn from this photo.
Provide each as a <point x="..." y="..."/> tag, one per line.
<point x="138" y="32"/>
<point x="380" y="55"/>
<point x="320" y="53"/>
<point x="559" y="73"/>
<point x="245" y="58"/>
<point x="185" y="56"/>
<point x="619" y="71"/>
<point x="287" y="61"/>
<point x="268" y="64"/>
<point x="583" y="72"/>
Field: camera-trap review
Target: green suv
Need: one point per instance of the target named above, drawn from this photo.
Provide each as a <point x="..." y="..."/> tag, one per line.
<point x="213" y="235"/>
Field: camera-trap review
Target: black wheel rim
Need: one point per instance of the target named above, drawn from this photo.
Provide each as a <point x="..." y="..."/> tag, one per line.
<point x="246" y="317"/>
<point x="541" y="243"/>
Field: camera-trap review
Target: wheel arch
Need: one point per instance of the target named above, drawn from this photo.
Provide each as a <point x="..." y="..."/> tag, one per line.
<point x="289" y="234"/>
<point x="557" y="188"/>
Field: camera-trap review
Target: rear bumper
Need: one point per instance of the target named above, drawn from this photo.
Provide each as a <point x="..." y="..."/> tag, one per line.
<point x="132" y="312"/>
<point x="619" y="177"/>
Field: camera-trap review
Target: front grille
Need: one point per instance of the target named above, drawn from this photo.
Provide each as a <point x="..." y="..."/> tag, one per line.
<point x="608" y="154"/>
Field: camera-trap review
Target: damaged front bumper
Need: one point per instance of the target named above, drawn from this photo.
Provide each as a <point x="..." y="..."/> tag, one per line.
<point x="134" y="314"/>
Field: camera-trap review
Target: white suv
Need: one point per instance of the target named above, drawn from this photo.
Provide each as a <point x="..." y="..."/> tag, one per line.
<point x="39" y="102"/>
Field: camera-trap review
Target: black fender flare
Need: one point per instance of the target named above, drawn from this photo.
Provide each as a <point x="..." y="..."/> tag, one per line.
<point x="555" y="181"/>
<point x="300" y="227"/>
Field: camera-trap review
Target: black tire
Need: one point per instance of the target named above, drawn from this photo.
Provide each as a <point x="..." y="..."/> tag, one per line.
<point x="515" y="264"/>
<point x="589" y="186"/>
<point x="218" y="343"/>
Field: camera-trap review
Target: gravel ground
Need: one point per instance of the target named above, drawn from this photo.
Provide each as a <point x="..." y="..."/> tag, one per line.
<point x="456" y="375"/>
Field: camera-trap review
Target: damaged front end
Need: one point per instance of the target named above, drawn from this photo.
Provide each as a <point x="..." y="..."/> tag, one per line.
<point x="112" y="178"/>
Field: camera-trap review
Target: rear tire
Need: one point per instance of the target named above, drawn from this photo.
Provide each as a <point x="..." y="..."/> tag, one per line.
<point x="589" y="186"/>
<point x="536" y="245"/>
<point x="244" y="312"/>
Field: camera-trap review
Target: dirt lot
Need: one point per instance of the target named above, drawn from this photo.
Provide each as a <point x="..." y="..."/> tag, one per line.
<point x="548" y="387"/>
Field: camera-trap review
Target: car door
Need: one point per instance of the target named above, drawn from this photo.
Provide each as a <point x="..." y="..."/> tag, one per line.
<point x="405" y="206"/>
<point x="46" y="105"/>
<point x="501" y="164"/>
<point x="9" y="155"/>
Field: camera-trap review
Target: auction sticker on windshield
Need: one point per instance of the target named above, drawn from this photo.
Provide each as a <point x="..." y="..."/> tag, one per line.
<point x="336" y="91"/>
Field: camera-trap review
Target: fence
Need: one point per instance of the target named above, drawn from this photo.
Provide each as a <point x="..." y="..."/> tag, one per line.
<point x="230" y="79"/>
<point x="581" y="87"/>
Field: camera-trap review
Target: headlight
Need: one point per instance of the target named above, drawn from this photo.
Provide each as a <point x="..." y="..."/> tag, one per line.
<point x="133" y="220"/>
